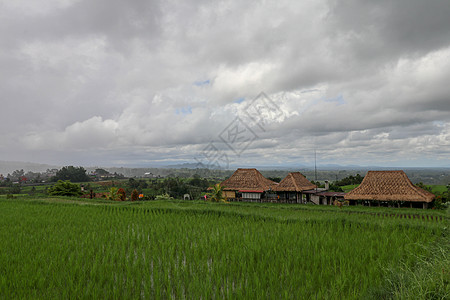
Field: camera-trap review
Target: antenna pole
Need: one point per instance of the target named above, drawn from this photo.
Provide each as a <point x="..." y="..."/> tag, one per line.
<point x="315" y="168"/>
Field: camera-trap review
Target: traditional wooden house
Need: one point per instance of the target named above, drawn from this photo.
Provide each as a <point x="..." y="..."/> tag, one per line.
<point x="389" y="188"/>
<point x="248" y="185"/>
<point x="291" y="188"/>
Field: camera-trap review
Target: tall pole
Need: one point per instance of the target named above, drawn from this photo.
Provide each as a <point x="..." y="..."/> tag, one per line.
<point x="315" y="168"/>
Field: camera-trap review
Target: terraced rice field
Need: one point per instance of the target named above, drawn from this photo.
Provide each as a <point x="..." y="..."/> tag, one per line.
<point x="53" y="248"/>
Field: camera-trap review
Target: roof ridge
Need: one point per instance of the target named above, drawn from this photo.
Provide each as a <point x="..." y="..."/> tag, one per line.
<point x="293" y="179"/>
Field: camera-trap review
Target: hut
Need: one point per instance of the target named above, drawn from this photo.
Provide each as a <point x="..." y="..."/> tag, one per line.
<point x="291" y="187"/>
<point x="248" y="185"/>
<point x="389" y="188"/>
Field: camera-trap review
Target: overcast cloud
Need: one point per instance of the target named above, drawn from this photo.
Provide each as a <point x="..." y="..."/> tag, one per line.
<point x="112" y="82"/>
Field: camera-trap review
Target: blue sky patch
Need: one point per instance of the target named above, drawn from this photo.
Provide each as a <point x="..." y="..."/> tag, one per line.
<point x="239" y="100"/>
<point x="339" y="100"/>
<point x="202" y="83"/>
<point x="184" y="110"/>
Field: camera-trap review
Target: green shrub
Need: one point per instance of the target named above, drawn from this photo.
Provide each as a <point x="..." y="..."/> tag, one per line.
<point x="65" y="188"/>
<point x="163" y="197"/>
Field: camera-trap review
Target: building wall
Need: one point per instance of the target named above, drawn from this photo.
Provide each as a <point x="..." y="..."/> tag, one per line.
<point x="252" y="196"/>
<point x="230" y="194"/>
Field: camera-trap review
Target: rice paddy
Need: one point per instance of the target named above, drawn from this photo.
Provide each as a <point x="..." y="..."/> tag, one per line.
<point x="194" y="250"/>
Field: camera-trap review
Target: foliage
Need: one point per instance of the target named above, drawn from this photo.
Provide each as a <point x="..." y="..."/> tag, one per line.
<point x="349" y="180"/>
<point x="137" y="184"/>
<point x="15" y="189"/>
<point x="65" y="188"/>
<point x="74" y="174"/>
<point x="101" y="172"/>
<point x="335" y="188"/>
<point x="32" y="191"/>
<point x="424" y="187"/>
<point x="318" y="184"/>
<point x="163" y="197"/>
<point x="216" y="195"/>
<point x="16" y="175"/>
<point x="134" y="195"/>
<point x="113" y="194"/>
<point x="276" y="179"/>
<point x="122" y="196"/>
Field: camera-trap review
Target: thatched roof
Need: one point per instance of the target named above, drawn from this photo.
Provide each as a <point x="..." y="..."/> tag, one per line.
<point x="247" y="179"/>
<point x="388" y="186"/>
<point x="294" y="182"/>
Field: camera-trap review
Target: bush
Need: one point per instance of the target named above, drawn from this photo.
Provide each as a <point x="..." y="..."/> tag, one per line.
<point x="122" y="195"/>
<point x="163" y="197"/>
<point x="134" y="195"/>
<point x="65" y="188"/>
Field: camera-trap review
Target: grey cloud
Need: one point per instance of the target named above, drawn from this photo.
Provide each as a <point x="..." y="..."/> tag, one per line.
<point x="108" y="77"/>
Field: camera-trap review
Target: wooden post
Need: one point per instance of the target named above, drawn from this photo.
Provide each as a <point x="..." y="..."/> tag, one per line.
<point x="410" y="204"/>
<point x="425" y="205"/>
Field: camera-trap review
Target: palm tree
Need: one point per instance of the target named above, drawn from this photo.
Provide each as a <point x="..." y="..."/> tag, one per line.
<point x="216" y="194"/>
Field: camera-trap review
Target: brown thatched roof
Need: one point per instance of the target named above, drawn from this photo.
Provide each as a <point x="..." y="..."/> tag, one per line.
<point x="294" y="182"/>
<point x="247" y="179"/>
<point x="388" y="186"/>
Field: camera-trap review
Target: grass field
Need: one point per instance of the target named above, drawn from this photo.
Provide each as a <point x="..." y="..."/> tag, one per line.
<point x="438" y="188"/>
<point x="73" y="248"/>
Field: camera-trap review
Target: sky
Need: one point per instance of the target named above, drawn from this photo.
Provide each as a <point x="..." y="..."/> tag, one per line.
<point x="225" y="83"/>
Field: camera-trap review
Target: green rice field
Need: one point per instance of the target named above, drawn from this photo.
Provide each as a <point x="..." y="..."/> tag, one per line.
<point x="60" y="248"/>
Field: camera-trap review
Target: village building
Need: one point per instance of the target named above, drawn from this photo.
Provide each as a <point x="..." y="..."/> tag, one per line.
<point x="324" y="196"/>
<point x="389" y="188"/>
<point x="291" y="189"/>
<point x="248" y="185"/>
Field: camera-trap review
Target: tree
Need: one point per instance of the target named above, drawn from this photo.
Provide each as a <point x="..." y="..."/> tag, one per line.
<point x="423" y="186"/>
<point x="134" y="195"/>
<point x="74" y="174"/>
<point x="16" y="175"/>
<point x="101" y="172"/>
<point x="216" y="194"/>
<point x="350" y="180"/>
<point x="65" y="188"/>
<point x="276" y="179"/>
<point x="335" y="188"/>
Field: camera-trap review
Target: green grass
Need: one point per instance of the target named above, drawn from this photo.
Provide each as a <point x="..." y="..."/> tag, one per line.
<point x="438" y="188"/>
<point x="81" y="248"/>
<point x="348" y="188"/>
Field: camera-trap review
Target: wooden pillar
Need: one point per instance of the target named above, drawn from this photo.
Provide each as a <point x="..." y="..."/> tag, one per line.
<point x="379" y="203"/>
<point x="425" y="205"/>
<point x="410" y="204"/>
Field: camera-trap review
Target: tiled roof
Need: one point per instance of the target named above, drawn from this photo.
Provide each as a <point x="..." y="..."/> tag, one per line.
<point x="247" y="179"/>
<point x="388" y="186"/>
<point x="294" y="182"/>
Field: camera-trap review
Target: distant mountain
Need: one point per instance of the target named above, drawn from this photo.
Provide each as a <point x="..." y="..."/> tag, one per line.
<point x="10" y="166"/>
